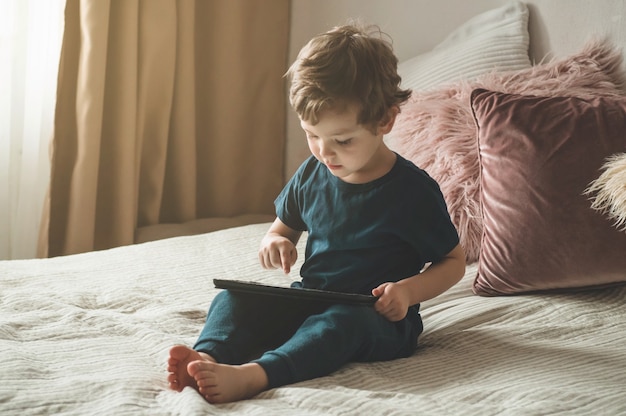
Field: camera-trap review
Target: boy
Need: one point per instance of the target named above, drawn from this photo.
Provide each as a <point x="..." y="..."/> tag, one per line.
<point x="373" y="220"/>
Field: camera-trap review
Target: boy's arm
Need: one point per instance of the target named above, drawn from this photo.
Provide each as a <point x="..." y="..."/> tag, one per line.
<point x="278" y="247"/>
<point x="395" y="298"/>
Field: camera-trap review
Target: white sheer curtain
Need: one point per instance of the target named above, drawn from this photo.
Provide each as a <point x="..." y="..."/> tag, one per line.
<point x="30" y="42"/>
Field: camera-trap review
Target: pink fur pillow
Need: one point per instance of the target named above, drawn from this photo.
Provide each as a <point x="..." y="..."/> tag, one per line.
<point x="436" y="128"/>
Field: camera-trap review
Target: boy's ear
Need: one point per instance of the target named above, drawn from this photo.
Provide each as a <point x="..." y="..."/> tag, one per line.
<point x="386" y="124"/>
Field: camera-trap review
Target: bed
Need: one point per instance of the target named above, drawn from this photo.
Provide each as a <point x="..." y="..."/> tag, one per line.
<point x="535" y="327"/>
<point x="89" y="334"/>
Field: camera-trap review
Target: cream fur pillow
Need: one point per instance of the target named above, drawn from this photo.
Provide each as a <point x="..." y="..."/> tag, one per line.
<point x="609" y="190"/>
<point x="436" y="128"/>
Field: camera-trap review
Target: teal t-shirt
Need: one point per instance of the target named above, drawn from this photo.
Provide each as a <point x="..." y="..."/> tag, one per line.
<point x="361" y="235"/>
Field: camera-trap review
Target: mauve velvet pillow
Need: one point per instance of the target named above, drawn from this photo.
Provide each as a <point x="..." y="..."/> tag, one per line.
<point x="537" y="156"/>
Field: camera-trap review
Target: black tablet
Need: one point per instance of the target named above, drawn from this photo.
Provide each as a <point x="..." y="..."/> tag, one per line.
<point x="295" y="292"/>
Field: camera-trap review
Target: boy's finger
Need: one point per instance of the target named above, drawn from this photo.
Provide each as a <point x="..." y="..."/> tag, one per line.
<point x="275" y="259"/>
<point x="265" y="260"/>
<point x="288" y="259"/>
<point x="294" y="256"/>
<point x="378" y="291"/>
<point x="286" y="262"/>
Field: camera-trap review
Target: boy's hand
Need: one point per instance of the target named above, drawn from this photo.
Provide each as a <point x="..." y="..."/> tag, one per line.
<point x="277" y="252"/>
<point x="393" y="302"/>
<point x="278" y="247"/>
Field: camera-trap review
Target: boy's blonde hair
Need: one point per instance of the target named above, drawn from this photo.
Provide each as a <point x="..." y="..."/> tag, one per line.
<point x="344" y="65"/>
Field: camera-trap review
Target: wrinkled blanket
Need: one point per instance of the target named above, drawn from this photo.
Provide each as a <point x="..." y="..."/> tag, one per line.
<point x="88" y="334"/>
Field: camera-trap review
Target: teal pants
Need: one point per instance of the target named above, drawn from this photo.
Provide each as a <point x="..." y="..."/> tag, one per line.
<point x="295" y="341"/>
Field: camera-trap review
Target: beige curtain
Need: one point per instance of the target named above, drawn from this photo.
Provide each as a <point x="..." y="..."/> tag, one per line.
<point x="167" y="111"/>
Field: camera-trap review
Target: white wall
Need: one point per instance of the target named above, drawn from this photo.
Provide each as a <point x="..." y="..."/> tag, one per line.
<point x="557" y="27"/>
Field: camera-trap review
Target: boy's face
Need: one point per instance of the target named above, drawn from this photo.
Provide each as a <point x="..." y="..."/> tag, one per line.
<point x="351" y="151"/>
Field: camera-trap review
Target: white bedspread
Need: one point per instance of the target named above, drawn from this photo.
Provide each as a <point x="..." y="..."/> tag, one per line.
<point x="88" y="335"/>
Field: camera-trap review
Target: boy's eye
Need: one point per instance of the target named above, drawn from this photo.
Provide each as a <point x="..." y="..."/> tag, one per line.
<point x="344" y="142"/>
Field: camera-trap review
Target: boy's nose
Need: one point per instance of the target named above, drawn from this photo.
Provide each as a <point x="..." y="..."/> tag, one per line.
<point x="325" y="149"/>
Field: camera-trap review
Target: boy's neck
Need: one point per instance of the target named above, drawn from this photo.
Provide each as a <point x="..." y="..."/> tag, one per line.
<point x="381" y="165"/>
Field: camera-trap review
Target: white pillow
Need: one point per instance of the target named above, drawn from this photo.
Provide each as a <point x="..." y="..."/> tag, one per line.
<point x="494" y="40"/>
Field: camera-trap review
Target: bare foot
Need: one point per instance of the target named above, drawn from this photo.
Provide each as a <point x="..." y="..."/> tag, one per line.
<point x="220" y="383"/>
<point x="180" y="357"/>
